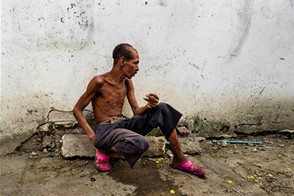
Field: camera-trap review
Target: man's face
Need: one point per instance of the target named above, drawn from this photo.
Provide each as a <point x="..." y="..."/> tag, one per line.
<point x="131" y="67"/>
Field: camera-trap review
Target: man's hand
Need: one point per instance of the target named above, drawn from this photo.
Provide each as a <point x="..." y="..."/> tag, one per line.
<point x="152" y="100"/>
<point x="92" y="137"/>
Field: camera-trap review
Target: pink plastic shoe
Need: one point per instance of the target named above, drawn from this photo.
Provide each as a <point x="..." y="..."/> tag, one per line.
<point x="102" y="162"/>
<point x="187" y="166"/>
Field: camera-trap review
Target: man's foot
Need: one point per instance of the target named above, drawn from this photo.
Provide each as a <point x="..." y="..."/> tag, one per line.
<point x="189" y="167"/>
<point x="102" y="161"/>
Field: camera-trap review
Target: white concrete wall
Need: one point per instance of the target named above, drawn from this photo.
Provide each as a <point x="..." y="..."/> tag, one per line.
<point x="229" y="60"/>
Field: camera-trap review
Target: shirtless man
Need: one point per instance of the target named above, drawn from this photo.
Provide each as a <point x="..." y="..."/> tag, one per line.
<point x="114" y="132"/>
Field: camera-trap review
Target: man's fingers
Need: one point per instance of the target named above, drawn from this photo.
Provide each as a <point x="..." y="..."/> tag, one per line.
<point x="153" y="95"/>
<point x="151" y="103"/>
<point x="152" y="98"/>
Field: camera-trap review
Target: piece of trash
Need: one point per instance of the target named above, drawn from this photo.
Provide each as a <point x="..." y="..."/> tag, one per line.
<point x="224" y="143"/>
<point x="269" y="175"/>
<point x="34" y="154"/>
<point x="45" y="150"/>
<point x="250" y="177"/>
<point x="93" y="179"/>
<point x="159" y="160"/>
<point x="230" y="181"/>
<point x="172" y="191"/>
<point x="238" y="142"/>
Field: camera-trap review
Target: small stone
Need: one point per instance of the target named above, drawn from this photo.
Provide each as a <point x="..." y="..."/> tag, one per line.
<point x="224" y="143"/>
<point x="34" y="154"/>
<point x="191" y="145"/>
<point x="183" y="131"/>
<point x="49" y="142"/>
<point x="156" y="146"/>
<point x="169" y="153"/>
<point x="258" y="165"/>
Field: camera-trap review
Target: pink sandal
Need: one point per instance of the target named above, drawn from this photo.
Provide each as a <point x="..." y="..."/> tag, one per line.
<point x="187" y="166"/>
<point x="102" y="162"/>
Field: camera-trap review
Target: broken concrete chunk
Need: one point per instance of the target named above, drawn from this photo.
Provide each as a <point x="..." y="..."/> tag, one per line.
<point x="191" y="145"/>
<point x="58" y="119"/>
<point x="156" y="146"/>
<point x="77" y="145"/>
<point x="183" y="130"/>
<point x="43" y="128"/>
<point x="61" y="116"/>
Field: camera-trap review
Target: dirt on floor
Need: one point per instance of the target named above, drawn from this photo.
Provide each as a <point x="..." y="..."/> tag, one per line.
<point x="231" y="169"/>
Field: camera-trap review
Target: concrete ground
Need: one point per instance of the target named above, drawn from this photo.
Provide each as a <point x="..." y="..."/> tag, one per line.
<point x="232" y="169"/>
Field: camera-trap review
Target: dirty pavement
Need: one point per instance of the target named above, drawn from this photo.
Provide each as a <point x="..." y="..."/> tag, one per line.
<point x="231" y="169"/>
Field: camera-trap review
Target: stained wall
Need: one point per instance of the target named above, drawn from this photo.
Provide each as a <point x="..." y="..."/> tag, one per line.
<point x="228" y="61"/>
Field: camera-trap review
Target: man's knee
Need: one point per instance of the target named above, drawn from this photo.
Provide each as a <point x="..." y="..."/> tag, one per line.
<point x="163" y="106"/>
<point x="142" y="145"/>
<point x="135" y="145"/>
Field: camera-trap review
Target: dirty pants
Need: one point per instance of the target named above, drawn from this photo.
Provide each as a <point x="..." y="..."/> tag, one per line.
<point x="127" y="135"/>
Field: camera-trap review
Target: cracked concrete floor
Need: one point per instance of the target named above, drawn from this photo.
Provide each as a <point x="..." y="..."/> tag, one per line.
<point x="266" y="169"/>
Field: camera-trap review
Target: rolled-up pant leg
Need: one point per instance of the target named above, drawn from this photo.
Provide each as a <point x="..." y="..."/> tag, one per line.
<point x="132" y="147"/>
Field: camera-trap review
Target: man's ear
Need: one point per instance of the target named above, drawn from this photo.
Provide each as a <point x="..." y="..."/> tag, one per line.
<point x="123" y="60"/>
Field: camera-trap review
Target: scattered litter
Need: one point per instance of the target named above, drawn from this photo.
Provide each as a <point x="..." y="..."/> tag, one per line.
<point x="45" y="150"/>
<point x="238" y="142"/>
<point x="230" y="181"/>
<point x="172" y="191"/>
<point x="252" y="179"/>
<point x="159" y="160"/>
<point x="269" y="175"/>
<point x="269" y="178"/>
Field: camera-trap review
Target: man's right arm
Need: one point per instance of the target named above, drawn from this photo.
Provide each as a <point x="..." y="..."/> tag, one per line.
<point x="93" y="87"/>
